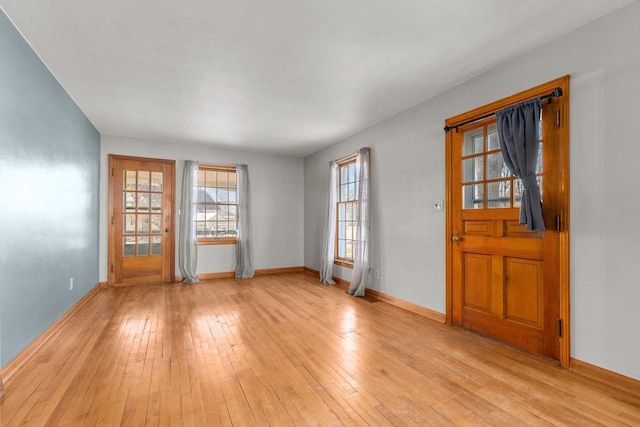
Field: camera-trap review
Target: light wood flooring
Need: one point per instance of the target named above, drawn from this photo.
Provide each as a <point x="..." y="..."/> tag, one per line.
<point x="285" y="350"/>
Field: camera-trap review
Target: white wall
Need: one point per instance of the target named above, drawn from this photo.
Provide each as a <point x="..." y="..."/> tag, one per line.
<point x="276" y="191"/>
<point x="408" y="173"/>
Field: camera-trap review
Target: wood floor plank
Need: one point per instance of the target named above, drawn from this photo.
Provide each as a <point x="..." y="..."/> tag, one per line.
<point x="283" y="350"/>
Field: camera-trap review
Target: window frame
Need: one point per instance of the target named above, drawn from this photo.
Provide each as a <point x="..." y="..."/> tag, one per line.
<point x="203" y="241"/>
<point x="341" y="261"/>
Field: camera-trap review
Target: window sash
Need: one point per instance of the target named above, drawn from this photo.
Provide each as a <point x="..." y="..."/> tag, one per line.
<point x="216" y="205"/>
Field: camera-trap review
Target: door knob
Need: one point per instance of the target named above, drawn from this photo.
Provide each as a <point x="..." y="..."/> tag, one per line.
<point x="166" y="230"/>
<point x="456" y="237"/>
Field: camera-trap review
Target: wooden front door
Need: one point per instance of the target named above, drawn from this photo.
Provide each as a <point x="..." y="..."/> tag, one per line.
<point x="505" y="279"/>
<point x="141" y="242"/>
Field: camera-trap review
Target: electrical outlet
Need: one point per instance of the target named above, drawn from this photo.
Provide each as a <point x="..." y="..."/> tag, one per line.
<point x="377" y="274"/>
<point x="71" y="284"/>
<point x="438" y="205"/>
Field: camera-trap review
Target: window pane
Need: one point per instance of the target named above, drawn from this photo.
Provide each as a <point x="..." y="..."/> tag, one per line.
<point x="156" y="245"/>
<point x="349" y="212"/>
<point x="223" y="195"/>
<point x="341" y="230"/>
<point x="143" y="180"/>
<point x="233" y="227"/>
<point x="156" y="202"/>
<point x="223" y="212"/>
<point x="143" y="245"/>
<point x="129" y="180"/>
<point x="341" y="249"/>
<point x="143" y="224"/>
<point x="472" y="169"/>
<point x="233" y="196"/>
<point x="156" y="224"/>
<point x="349" y="249"/>
<point x="342" y="212"/>
<point x="210" y="195"/>
<point x="496" y="167"/>
<point x="492" y="138"/>
<point x="130" y="202"/>
<point x="539" y="163"/>
<point x="233" y="213"/>
<point x="129" y="246"/>
<point x="129" y="224"/>
<point x="200" y="229"/>
<point x="201" y="177"/>
<point x="210" y="228"/>
<point x="518" y="189"/>
<point x="473" y="196"/>
<point x="233" y="179"/>
<point x="352" y="172"/>
<point x="352" y="192"/>
<point x="156" y="181"/>
<point x="499" y="194"/>
<point x="143" y="202"/>
<point x="473" y="143"/>
<point x="344" y="193"/>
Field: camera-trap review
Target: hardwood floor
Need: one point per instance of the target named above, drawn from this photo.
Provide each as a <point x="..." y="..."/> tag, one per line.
<point x="285" y="350"/>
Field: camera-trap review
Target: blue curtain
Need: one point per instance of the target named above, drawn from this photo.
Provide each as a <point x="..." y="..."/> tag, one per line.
<point x="518" y="135"/>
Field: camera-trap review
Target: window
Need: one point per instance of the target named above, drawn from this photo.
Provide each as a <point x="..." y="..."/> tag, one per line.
<point x="487" y="182"/>
<point x="346" y="211"/>
<point x="216" y="205"/>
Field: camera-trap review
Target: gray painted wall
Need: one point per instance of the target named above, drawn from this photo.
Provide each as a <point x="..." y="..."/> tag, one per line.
<point x="408" y="174"/>
<point x="276" y="192"/>
<point x="49" y="167"/>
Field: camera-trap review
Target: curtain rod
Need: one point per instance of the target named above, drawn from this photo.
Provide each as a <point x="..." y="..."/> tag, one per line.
<point x="555" y="93"/>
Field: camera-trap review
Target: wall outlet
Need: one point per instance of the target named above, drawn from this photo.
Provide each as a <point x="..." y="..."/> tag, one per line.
<point x="71" y="284"/>
<point x="376" y="273"/>
<point x="438" y="205"/>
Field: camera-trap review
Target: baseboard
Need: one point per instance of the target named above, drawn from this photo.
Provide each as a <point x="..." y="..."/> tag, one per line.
<point x="409" y="306"/>
<point x="103" y="284"/>
<point x="604" y="376"/>
<point x="406" y="305"/>
<point x="29" y="351"/>
<point x="266" y="271"/>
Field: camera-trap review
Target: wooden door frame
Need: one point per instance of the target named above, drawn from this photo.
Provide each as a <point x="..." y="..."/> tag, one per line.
<point x="111" y="232"/>
<point x="541" y="90"/>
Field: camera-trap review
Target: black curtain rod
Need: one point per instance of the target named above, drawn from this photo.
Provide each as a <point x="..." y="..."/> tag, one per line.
<point x="554" y="94"/>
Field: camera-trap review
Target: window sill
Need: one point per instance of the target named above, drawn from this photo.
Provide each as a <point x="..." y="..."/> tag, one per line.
<point x="212" y="241"/>
<point x="343" y="263"/>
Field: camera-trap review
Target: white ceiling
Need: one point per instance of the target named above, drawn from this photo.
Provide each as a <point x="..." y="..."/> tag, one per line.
<point x="283" y="76"/>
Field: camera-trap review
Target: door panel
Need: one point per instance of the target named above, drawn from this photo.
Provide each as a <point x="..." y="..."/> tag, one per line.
<point x="141" y="244"/>
<point x="504" y="277"/>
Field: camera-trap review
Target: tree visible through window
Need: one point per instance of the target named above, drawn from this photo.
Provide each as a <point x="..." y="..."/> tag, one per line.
<point x="216" y="205"/>
<point x="346" y="210"/>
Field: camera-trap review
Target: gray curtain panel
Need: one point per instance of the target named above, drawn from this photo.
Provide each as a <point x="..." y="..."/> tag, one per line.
<point x="244" y="239"/>
<point x="329" y="236"/>
<point x="519" y="139"/>
<point x="360" y="276"/>
<point x="188" y="240"/>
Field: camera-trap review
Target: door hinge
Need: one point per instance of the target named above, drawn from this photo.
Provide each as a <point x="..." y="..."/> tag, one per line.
<point x="559" y="328"/>
<point x="557" y="118"/>
<point x="112" y="268"/>
<point x="558" y="224"/>
<point x="113" y="172"/>
<point x="113" y="220"/>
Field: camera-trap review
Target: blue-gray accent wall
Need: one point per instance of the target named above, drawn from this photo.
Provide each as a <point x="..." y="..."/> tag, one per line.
<point x="49" y="196"/>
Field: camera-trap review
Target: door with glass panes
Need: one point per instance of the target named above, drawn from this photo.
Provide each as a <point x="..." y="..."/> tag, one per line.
<point x="141" y="244"/>
<point x="504" y="277"/>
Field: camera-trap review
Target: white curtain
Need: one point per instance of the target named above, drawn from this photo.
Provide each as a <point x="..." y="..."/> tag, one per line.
<point x="244" y="239"/>
<point x="329" y="238"/>
<point x="188" y="241"/>
<point x="360" y="277"/>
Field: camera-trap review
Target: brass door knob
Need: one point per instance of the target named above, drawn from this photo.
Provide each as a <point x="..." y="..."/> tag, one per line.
<point x="456" y="237"/>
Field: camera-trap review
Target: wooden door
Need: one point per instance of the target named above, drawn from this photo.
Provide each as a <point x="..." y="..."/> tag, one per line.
<point x="141" y="238"/>
<point x="506" y="279"/>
